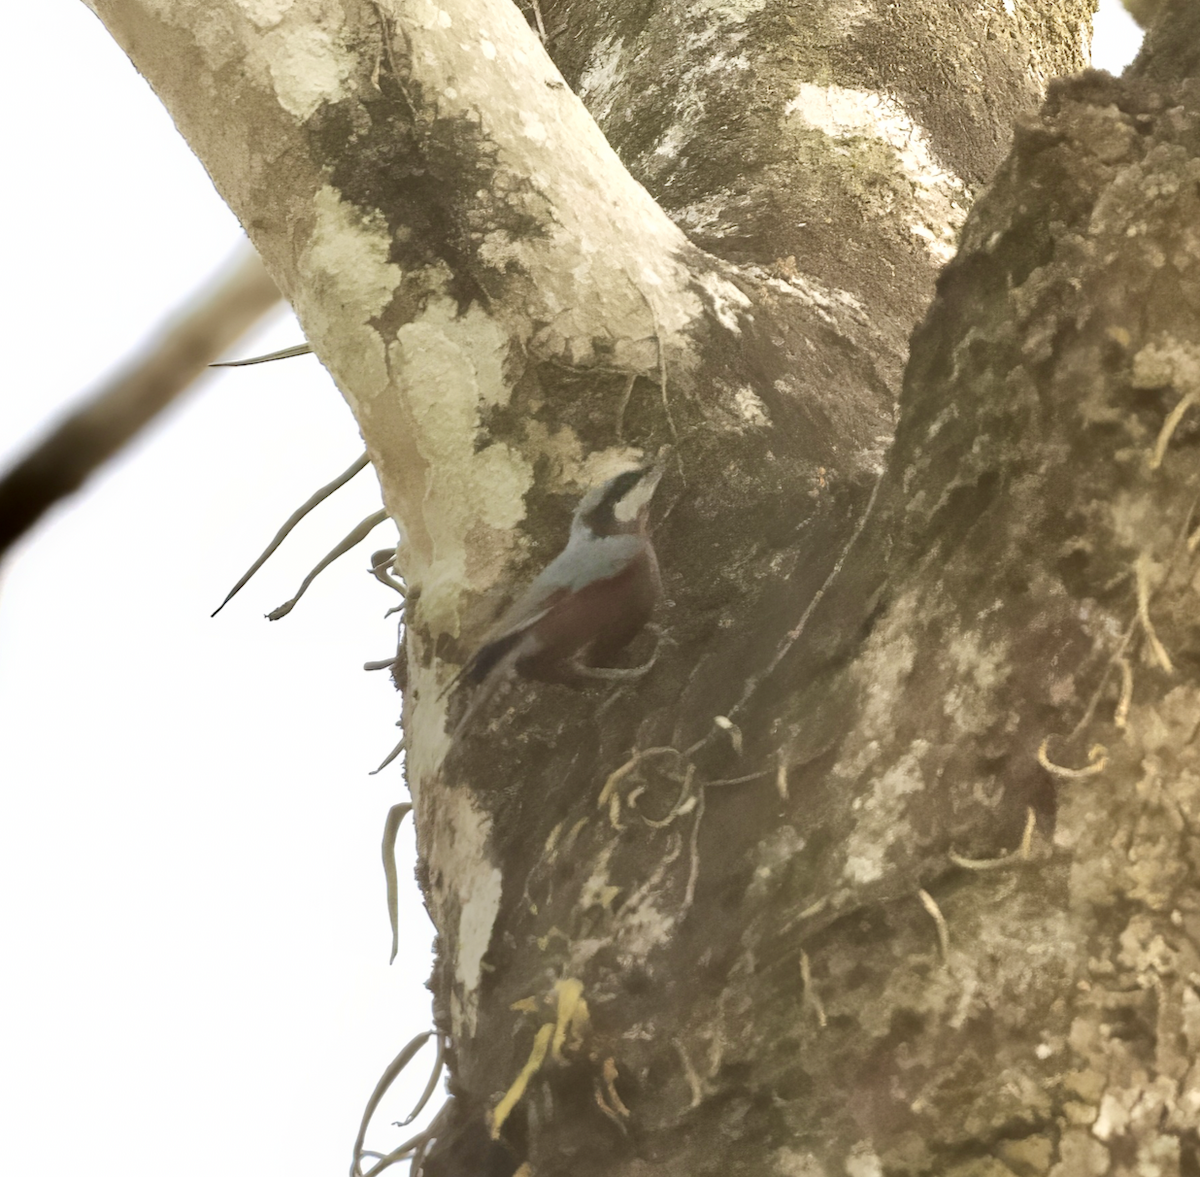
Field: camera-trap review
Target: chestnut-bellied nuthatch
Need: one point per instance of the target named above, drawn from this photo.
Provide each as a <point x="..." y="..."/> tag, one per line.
<point x="587" y="605"/>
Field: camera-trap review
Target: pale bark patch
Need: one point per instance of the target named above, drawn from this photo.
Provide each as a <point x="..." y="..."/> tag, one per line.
<point x="460" y="850"/>
<point x="939" y="197"/>
<point x="345" y="265"/>
<point x="881" y="819"/>
<point x="308" y="66"/>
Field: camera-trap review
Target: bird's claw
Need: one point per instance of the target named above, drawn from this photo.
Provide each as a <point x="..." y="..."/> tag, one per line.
<point x="620" y="673"/>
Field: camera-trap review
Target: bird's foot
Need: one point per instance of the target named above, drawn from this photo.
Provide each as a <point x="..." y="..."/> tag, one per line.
<point x="619" y="673"/>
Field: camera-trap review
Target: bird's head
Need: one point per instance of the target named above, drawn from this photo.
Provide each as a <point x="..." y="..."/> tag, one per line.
<point x="621" y="505"/>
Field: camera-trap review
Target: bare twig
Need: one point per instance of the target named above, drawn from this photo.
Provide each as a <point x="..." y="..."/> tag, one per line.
<point x="178" y="353"/>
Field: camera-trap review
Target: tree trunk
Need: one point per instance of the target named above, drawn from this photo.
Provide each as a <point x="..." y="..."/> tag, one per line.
<point x="889" y="864"/>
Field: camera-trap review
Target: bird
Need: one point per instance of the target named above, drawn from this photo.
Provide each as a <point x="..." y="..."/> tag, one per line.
<point x="586" y="605"/>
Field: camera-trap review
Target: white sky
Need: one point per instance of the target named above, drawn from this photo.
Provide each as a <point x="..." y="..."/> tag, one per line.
<point x="192" y="907"/>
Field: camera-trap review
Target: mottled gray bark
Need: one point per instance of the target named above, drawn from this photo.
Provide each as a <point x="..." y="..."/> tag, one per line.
<point x="889" y="865"/>
<point x="845" y="138"/>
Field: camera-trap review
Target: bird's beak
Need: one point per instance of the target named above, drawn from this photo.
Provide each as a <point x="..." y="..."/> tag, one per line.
<point x="638" y="497"/>
<point x="650" y="482"/>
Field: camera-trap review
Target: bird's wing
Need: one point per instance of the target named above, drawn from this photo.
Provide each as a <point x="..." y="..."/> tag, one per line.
<point x="580" y="563"/>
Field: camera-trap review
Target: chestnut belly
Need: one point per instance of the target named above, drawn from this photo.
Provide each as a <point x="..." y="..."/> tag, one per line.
<point x="592" y="625"/>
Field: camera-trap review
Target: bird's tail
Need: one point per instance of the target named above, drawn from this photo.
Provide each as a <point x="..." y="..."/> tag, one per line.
<point x="481" y="664"/>
<point x="499" y="672"/>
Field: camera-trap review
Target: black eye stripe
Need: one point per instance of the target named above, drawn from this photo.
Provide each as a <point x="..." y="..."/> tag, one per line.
<point x="621" y="486"/>
<point x="598" y="510"/>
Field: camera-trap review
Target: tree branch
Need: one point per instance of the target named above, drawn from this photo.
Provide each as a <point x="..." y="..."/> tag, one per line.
<point x="176" y="356"/>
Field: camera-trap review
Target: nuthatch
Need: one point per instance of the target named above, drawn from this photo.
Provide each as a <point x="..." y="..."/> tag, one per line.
<point x="587" y="605"/>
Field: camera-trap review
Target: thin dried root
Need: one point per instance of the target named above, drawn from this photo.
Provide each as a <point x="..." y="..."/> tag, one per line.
<point x="435" y="1074"/>
<point x="694" y="1082"/>
<point x="684" y="803"/>
<point x="512" y="1097"/>
<point x="566" y="1031"/>
<point x="613" y="673"/>
<point x="662" y="384"/>
<point x="400" y="747"/>
<point x="943" y="932"/>
<point x="572" y="1017"/>
<point x="610" y="1113"/>
<point x="284" y="353"/>
<point x="572" y="834"/>
<point x="738" y="780"/>
<point x="781" y="777"/>
<point x="1143" y="600"/>
<point x="391" y="827"/>
<point x="689" y="893"/>
<point x="409" y="1149"/>
<point x="735" y="733"/>
<point x="610" y="796"/>
<point x="412" y="1149"/>
<point x="537" y="15"/>
<point x="381" y="563"/>
<point x="1021" y="854"/>
<point x="607" y="1099"/>
<point x="615" y="1102"/>
<point x="1097" y="757"/>
<point x="624" y="404"/>
<point x="313" y="500"/>
<point x="385" y="1081"/>
<point x="353" y="538"/>
<point x="1121" y="714"/>
<point x="1168" y="428"/>
<point x="811" y="997"/>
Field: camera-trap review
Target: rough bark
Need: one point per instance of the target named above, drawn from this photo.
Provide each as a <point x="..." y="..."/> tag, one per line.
<point x="805" y="971"/>
<point x="1013" y="634"/>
